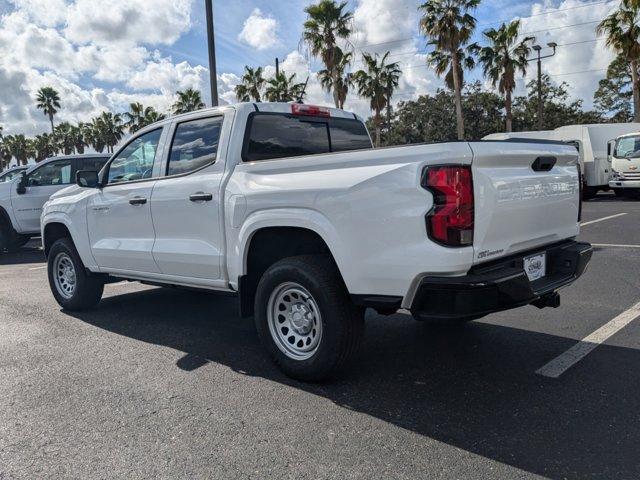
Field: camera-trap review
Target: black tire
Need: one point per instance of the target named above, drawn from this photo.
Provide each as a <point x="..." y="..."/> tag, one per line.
<point x="342" y="322"/>
<point x="88" y="288"/>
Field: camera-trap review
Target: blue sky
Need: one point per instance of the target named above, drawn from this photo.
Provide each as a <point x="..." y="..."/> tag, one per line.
<point x="104" y="58"/>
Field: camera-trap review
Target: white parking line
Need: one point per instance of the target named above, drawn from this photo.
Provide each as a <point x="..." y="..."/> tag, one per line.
<point x="38" y="268"/>
<point x="583" y="224"/>
<point x="562" y="363"/>
<point x="613" y="245"/>
<point x="117" y="284"/>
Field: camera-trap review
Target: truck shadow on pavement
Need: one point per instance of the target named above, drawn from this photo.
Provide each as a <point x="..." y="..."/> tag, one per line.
<point x="472" y="387"/>
<point x="27" y="254"/>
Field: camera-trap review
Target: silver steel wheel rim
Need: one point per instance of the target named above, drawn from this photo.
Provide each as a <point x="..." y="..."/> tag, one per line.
<point x="64" y="275"/>
<point x="294" y="321"/>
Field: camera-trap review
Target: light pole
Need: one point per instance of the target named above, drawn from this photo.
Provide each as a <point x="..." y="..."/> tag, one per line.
<point x="538" y="50"/>
<point x="213" y="77"/>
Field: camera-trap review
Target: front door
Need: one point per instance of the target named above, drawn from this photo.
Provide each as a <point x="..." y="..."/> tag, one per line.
<point x="40" y="184"/>
<point x="119" y="215"/>
<point x="186" y="204"/>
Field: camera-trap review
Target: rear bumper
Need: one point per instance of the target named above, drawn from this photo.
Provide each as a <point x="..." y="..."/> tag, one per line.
<point x="624" y="184"/>
<point x="499" y="285"/>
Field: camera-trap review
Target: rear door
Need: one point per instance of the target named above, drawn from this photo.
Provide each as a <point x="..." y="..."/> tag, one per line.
<point x="526" y="195"/>
<point x="186" y="201"/>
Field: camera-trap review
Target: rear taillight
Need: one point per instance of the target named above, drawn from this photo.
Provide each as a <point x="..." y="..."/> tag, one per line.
<point x="450" y="221"/>
<point x="310" y="110"/>
<point x="580" y="187"/>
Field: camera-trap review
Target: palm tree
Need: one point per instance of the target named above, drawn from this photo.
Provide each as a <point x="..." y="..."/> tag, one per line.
<point x="19" y="148"/>
<point x="503" y="58"/>
<point x="282" y="88"/>
<point x="251" y="85"/>
<point x="377" y="84"/>
<point x="449" y="26"/>
<point x="188" y="101"/>
<point x="79" y="141"/>
<point x="110" y="129"/>
<point x="63" y="136"/>
<point x="43" y="147"/>
<point x="139" y="117"/>
<point x="93" y="135"/>
<point x="48" y="100"/>
<point x="442" y="64"/>
<point x="326" y="23"/>
<point x="328" y="80"/>
<point x="622" y="29"/>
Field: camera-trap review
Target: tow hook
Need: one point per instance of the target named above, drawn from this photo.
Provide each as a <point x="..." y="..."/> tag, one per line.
<point x="549" y="300"/>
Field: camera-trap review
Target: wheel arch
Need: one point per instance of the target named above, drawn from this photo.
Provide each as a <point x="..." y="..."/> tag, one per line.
<point x="266" y="245"/>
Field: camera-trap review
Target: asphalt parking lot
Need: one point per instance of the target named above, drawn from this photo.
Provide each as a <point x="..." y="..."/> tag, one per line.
<point x="159" y="383"/>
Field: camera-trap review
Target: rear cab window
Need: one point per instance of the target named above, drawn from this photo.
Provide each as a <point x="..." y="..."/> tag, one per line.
<point x="279" y="135"/>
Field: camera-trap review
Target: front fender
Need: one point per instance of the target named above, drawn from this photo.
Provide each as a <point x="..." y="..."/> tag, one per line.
<point x="79" y="235"/>
<point x="287" y="217"/>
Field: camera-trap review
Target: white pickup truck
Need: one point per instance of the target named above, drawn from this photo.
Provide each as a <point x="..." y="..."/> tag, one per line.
<point x="288" y="207"/>
<point x="24" y="190"/>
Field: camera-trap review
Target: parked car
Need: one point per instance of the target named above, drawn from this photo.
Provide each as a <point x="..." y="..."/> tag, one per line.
<point x="22" y="196"/>
<point x="290" y="208"/>
<point x="12" y="173"/>
<point x="591" y="141"/>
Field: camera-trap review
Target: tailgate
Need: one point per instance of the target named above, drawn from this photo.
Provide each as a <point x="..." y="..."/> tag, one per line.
<point x="521" y="204"/>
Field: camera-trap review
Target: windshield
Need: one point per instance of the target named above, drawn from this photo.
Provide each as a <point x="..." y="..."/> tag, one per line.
<point x="8" y="176"/>
<point x="627" y="147"/>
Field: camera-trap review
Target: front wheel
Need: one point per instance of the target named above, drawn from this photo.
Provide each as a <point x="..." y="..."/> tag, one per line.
<point x="73" y="287"/>
<point x="305" y="318"/>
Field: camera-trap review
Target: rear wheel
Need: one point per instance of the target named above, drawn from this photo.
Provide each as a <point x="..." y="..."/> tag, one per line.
<point x="589" y="192"/>
<point x="305" y="318"/>
<point x="72" y="286"/>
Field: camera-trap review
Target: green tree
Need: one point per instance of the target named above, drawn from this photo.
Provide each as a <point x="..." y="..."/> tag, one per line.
<point x="48" y="100"/>
<point x="189" y="100"/>
<point x="107" y="131"/>
<point x="430" y="118"/>
<point x="502" y="59"/>
<point x="79" y="141"/>
<point x="559" y="110"/>
<point x="614" y="97"/>
<point x="251" y="85"/>
<point x="449" y="27"/>
<point x="282" y="88"/>
<point x="377" y="84"/>
<point x="43" y="147"/>
<point x="622" y="29"/>
<point x="19" y="148"/>
<point x="140" y="116"/>
<point x="339" y="84"/>
<point x="326" y="23"/>
<point x="442" y="64"/>
<point x="64" y="140"/>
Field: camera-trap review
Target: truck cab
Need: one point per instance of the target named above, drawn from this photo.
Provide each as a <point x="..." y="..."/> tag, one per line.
<point x="624" y="156"/>
<point x="24" y="193"/>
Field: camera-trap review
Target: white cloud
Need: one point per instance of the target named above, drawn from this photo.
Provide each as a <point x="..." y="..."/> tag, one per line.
<point x="131" y="21"/>
<point x="44" y="12"/>
<point x="591" y="57"/>
<point x="259" y="31"/>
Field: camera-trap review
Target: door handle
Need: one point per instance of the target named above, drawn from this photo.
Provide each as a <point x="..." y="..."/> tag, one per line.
<point x="201" y="197"/>
<point x="138" y="201"/>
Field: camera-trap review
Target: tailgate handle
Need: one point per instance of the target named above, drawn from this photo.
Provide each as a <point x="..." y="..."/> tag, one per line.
<point x="543" y="164"/>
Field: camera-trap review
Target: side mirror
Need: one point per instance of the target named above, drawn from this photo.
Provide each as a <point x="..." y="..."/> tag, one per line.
<point x="87" y="179"/>
<point x="22" y="184"/>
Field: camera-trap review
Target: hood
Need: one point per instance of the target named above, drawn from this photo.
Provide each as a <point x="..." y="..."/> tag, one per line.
<point x="67" y="191"/>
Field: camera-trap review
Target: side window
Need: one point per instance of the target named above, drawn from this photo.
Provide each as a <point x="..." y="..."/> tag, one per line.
<point x="195" y="144"/>
<point x="54" y="173"/>
<point x="135" y="162"/>
<point x="277" y="136"/>
<point x="94" y="164"/>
